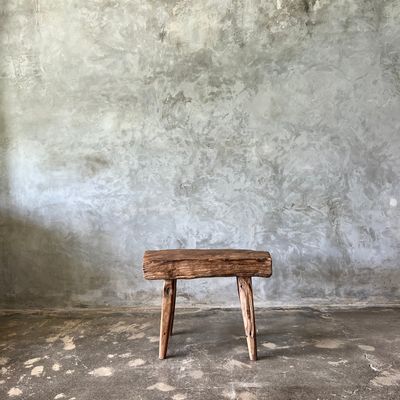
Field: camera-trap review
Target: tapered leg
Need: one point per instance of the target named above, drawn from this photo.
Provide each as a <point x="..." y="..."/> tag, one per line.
<point x="246" y="303"/>
<point x="173" y="305"/>
<point x="166" y="316"/>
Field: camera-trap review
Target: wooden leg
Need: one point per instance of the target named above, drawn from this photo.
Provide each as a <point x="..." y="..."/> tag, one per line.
<point x="173" y="306"/>
<point x="166" y="316"/>
<point x="247" y="305"/>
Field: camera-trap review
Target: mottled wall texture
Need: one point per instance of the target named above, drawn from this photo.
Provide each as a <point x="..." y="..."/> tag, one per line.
<point x="143" y="124"/>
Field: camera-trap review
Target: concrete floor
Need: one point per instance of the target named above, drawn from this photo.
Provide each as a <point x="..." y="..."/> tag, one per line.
<point x="304" y="354"/>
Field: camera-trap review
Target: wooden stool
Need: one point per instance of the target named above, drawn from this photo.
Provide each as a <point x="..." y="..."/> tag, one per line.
<point x="171" y="265"/>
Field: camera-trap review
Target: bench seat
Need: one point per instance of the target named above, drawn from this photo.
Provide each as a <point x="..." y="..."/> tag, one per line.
<point x="190" y="264"/>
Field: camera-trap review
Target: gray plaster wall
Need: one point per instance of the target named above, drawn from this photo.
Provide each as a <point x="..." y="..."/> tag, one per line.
<point x="145" y="124"/>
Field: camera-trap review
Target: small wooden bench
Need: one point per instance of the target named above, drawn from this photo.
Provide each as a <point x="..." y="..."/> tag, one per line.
<point x="171" y="265"/>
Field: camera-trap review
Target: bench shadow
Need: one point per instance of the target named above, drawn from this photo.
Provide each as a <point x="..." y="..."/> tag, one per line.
<point x="284" y="341"/>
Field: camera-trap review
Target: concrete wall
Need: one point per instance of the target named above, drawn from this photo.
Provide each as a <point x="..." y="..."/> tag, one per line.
<point x="141" y="124"/>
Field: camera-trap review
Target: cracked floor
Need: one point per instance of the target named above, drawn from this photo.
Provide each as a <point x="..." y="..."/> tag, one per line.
<point x="303" y="354"/>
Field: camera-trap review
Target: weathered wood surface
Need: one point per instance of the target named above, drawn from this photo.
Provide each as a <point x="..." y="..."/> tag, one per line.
<point x="166" y="316"/>
<point x="173" y="306"/>
<point x="246" y="303"/>
<point x="189" y="264"/>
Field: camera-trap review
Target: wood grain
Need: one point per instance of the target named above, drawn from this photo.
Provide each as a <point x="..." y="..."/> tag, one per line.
<point x="247" y="306"/>
<point x="189" y="264"/>
<point x="166" y="316"/>
<point x="173" y="306"/>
